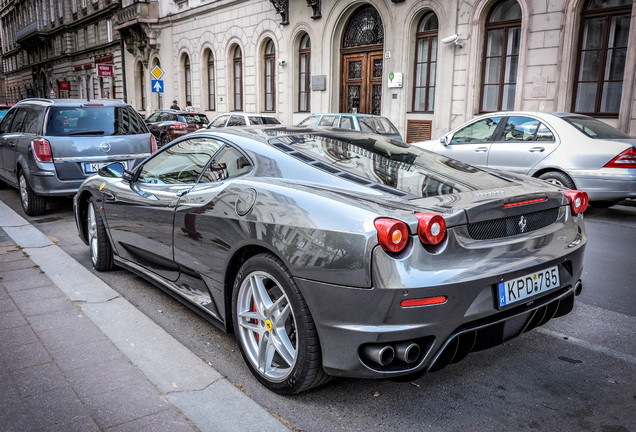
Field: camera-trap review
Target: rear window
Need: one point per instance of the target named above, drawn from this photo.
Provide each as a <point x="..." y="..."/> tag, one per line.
<point x="379" y="125"/>
<point x="595" y="128"/>
<point x="94" y="120"/>
<point x="196" y="118"/>
<point x="407" y="168"/>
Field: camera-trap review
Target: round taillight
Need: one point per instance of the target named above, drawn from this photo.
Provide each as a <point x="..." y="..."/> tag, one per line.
<point x="578" y="200"/>
<point x="392" y="234"/>
<point x="431" y="228"/>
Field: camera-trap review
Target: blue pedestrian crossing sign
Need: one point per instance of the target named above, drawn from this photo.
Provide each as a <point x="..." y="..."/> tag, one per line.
<point x="157" y="86"/>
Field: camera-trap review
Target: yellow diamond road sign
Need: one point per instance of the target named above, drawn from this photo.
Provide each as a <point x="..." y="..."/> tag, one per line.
<point x="156" y="72"/>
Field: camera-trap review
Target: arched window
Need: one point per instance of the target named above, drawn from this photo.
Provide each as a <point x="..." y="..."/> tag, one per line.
<point x="141" y="86"/>
<point x="210" y="80"/>
<point x="501" y="57"/>
<point x="270" y="76"/>
<point x="187" y="76"/>
<point x="304" y="74"/>
<point x="602" y="51"/>
<point x="237" y="69"/>
<point x="425" y="63"/>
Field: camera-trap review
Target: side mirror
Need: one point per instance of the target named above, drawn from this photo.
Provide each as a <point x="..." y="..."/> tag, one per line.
<point x="115" y="170"/>
<point x="444" y="140"/>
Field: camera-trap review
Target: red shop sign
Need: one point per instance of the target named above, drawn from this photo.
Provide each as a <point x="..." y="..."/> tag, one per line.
<point x="64" y="85"/>
<point x="104" y="70"/>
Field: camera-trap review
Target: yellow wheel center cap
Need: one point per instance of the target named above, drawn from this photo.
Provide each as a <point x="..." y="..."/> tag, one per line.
<point x="268" y="325"/>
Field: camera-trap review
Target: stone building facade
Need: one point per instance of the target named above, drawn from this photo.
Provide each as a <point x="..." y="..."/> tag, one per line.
<point x="428" y="65"/>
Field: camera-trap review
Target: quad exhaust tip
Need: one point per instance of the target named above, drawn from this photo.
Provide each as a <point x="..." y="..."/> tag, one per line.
<point x="578" y="287"/>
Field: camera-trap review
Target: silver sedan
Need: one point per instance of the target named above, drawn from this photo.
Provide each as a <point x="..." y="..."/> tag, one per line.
<point x="569" y="150"/>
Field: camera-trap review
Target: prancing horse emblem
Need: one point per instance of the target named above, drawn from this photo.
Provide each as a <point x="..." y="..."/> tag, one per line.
<point x="522" y="223"/>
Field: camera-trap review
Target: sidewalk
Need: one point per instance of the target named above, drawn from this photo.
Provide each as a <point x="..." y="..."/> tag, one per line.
<point x="75" y="356"/>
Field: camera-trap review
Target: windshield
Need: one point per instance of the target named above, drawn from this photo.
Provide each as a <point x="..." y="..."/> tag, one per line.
<point x="379" y="125"/>
<point x="595" y="128"/>
<point x="401" y="166"/>
<point x="94" y="120"/>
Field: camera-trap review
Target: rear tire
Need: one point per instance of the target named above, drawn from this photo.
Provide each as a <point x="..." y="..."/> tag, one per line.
<point x="100" y="248"/>
<point x="32" y="203"/>
<point x="559" y="179"/>
<point x="274" y="328"/>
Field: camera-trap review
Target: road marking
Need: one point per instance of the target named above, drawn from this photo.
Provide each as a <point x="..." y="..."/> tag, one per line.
<point x="598" y="348"/>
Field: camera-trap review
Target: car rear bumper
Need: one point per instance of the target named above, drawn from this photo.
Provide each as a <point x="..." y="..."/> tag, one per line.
<point x="607" y="184"/>
<point x="349" y="320"/>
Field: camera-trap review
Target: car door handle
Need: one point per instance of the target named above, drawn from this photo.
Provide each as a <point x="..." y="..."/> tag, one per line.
<point x="481" y="149"/>
<point x="537" y="149"/>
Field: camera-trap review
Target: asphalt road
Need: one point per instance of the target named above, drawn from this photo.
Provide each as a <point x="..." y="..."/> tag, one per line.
<point x="575" y="373"/>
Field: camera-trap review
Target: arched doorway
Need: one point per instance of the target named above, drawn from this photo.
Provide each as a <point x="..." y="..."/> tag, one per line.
<point x="362" y="57"/>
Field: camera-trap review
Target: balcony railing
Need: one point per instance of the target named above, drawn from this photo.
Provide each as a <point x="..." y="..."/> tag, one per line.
<point x="138" y="12"/>
<point x="31" y="29"/>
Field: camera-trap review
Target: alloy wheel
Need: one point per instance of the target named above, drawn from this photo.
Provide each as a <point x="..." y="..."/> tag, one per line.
<point x="92" y="233"/>
<point x="267" y="326"/>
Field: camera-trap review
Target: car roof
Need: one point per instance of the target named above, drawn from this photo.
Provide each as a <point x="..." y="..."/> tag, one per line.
<point x="247" y="114"/>
<point x="71" y="102"/>
<point x="171" y="111"/>
<point x="348" y="114"/>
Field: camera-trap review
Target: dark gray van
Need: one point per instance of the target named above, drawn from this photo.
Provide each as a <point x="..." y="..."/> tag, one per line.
<point x="48" y="147"/>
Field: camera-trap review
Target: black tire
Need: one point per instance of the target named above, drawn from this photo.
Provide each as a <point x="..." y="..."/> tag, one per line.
<point x="98" y="242"/>
<point x="559" y="179"/>
<point x="603" y="204"/>
<point x="164" y="141"/>
<point x="282" y="321"/>
<point x="32" y="203"/>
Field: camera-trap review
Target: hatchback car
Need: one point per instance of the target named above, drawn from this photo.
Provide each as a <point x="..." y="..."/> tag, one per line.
<point x="167" y="125"/>
<point x="359" y="122"/>
<point x="48" y="147"/>
<point x="568" y="150"/>
<point x="333" y="253"/>
<point x="242" y="119"/>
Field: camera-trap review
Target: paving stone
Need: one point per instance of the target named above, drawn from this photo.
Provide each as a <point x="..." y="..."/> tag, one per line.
<point x="25" y="356"/>
<point x="108" y="376"/>
<point x="59" y="319"/>
<point x="169" y="420"/>
<point x="91" y="353"/>
<point x="16" y="336"/>
<point x="7" y="305"/>
<point x="37" y="280"/>
<point x="39" y="294"/>
<point x="55" y="408"/>
<point x="39" y="379"/>
<point x="69" y="336"/>
<point x="47" y="307"/>
<point x="11" y="319"/>
<point x="20" y="274"/>
<point x="16" y="264"/>
<point x="15" y="416"/>
<point x="11" y="254"/>
<point x="125" y="404"/>
<point x="81" y="424"/>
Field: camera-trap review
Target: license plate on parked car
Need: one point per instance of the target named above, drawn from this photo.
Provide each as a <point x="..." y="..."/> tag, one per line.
<point x="527" y="286"/>
<point x="93" y="167"/>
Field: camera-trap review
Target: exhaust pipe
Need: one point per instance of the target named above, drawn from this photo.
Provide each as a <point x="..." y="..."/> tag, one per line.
<point x="380" y="354"/>
<point x="408" y="352"/>
<point x="578" y="288"/>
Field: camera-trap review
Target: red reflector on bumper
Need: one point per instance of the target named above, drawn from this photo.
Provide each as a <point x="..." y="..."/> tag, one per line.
<point x="423" y="301"/>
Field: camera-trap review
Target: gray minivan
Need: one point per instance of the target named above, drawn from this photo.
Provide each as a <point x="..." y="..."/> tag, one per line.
<point x="48" y="147"/>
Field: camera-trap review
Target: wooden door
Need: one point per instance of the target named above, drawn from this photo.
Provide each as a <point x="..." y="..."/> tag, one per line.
<point x="361" y="83"/>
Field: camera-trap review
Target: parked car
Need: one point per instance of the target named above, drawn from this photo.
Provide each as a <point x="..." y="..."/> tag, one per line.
<point x="359" y="122"/>
<point x="242" y="119"/>
<point x="335" y="253"/>
<point x="49" y="146"/>
<point x="167" y="125"/>
<point x="569" y="150"/>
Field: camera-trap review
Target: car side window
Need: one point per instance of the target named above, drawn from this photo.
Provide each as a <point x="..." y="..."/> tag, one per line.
<point x="228" y="163"/>
<point x="525" y="129"/>
<point x="153" y="117"/>
<point x="346" y="122"/>
<point x="479" y="131"/>
<point x="236" y="120"/>
<point x="328" y="121"/>
<point x="309" y="121"/>
<point x="32" y="121"/>
<point x="181" y="163"/>
<point x="220" y="121"/>
<point x="18" y="121"/>
<point x="5" y="126"/>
